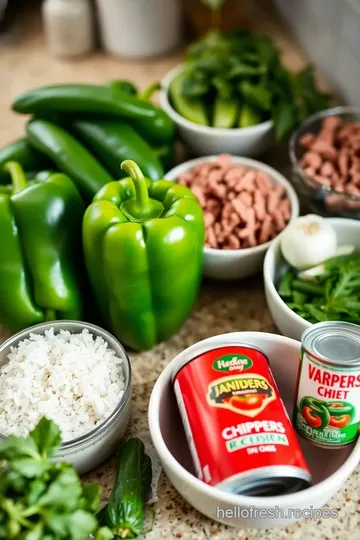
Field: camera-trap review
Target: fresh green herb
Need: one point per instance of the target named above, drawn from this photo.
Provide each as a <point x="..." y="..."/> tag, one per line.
<point x="247" y="69"/>
<point x="43" y="500"/>
<point x="333" y="295"/>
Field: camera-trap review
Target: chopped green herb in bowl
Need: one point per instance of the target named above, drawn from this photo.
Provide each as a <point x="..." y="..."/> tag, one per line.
<point x="312" y="274"/>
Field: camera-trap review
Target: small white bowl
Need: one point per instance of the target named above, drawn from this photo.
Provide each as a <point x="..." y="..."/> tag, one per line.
<point x="329" y="469"/>
<point x="206" y="140"/>
<point x="288" y="322"/>
<point x="230" y="265"/>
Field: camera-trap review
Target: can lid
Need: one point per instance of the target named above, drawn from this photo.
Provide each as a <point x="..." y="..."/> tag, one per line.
<point x="334" y="342"/>
<point x="267" y="481"/>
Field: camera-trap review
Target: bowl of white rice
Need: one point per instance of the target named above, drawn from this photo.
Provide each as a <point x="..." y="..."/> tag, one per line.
<point x="77" y="375"/>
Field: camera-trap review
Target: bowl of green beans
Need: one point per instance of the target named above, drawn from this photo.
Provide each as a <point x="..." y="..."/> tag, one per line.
<point x="333" y="294"/>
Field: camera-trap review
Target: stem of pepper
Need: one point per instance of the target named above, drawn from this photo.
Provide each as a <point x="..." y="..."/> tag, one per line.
<point x="149" y="91"/>
<point x="18" y="178"/>
<point x="141" y="207"/>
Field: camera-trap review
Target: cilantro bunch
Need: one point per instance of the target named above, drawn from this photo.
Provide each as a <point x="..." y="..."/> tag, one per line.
<point x="245" y="70"/>
<point x="43" y="500"/>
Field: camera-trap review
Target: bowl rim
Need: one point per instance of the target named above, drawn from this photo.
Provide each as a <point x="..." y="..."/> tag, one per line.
<point x="267" y="270"/>
<point x="333" y="111"/>
<point x="278" y="178"/>
<point x="213" y="492"/>
<point x="86" y="438"/>
<point x="168" y="108"/>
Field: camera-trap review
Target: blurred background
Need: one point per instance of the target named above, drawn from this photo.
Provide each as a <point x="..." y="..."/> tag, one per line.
<point x="327" y="30"/>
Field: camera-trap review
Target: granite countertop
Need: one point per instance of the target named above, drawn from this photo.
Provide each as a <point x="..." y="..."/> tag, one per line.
<point x="221" y="307"/>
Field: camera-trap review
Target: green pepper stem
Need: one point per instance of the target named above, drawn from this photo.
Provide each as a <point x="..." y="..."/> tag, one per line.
<point x="134" y="171"/>
<point x="141" y="207"/>
<point x="146" y="95"/>
<point x="18" y="178"/>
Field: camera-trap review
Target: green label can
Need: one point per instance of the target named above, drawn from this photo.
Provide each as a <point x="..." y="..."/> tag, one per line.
<point x="327" y="402"/>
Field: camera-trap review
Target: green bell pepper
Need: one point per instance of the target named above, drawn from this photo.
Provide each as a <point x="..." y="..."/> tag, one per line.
<point x="40" y="228"/>
<point x="143" y="244"/>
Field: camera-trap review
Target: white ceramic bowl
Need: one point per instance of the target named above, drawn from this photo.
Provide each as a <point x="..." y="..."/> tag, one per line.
<point x="205" y="140"/>
<point x="288" y="322"/>
<point x="89" y="450"/>
<point x="230" y="265"/>
<point x="329" y="469"/>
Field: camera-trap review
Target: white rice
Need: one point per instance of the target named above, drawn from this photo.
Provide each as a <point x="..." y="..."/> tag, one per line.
<point x="74" y="379"/>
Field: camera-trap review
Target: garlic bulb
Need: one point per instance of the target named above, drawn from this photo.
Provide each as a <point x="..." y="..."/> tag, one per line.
<point x="308" y="241"/>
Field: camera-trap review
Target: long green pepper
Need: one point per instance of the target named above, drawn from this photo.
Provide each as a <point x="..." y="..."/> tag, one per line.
<point x="113" y="141"/>
<point x="70" y="156"/>
<point x="40" y="228"/>
<point x="104" y="101"/>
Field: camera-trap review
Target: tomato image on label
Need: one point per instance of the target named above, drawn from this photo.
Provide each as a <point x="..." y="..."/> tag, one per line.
<point x="341" y="414"/>
<point x="245" y="394"/>
<point x="247" y="402"/>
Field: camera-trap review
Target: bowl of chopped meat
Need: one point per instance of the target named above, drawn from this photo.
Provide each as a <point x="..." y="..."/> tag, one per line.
<point x="325" y="156"/>
<point x="246" y="205"/>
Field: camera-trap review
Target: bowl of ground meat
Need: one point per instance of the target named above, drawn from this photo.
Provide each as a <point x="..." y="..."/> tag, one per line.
<point x="325" y="156"/>
<point x="246" y="205"/>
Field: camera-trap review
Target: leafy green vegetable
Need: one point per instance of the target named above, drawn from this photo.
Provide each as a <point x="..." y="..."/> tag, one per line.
<point x="43" y="500"/>
<point x="246" y="68"/>
<point x="333" y="295"/>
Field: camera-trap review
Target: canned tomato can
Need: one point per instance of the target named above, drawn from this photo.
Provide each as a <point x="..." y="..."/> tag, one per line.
<point x="327" y="401"/>
<point x="239" y="433"/>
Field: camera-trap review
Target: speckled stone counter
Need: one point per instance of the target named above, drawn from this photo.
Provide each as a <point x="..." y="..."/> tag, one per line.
<point x="221" y="307"/>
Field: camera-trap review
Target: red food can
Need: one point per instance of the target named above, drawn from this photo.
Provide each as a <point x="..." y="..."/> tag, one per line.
<point x="239" y="433"/>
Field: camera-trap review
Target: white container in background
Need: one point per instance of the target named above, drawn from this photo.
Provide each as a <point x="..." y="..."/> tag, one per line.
<point x="140" y="28"/>
<point x="68" y="26"/>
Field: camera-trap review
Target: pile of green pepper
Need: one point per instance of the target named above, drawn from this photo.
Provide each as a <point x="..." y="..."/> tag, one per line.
<point x="127" y="250"/>
<point x="86" y="131"/>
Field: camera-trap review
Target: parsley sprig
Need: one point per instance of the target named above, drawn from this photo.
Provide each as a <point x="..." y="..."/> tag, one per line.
<point x="41" y="499"/>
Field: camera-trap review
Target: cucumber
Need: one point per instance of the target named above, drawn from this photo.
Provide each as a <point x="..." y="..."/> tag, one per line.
<point x="124" y="513"/>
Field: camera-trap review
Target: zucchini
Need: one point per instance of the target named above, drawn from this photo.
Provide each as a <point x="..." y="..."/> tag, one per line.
<point x="124" y="513"/>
